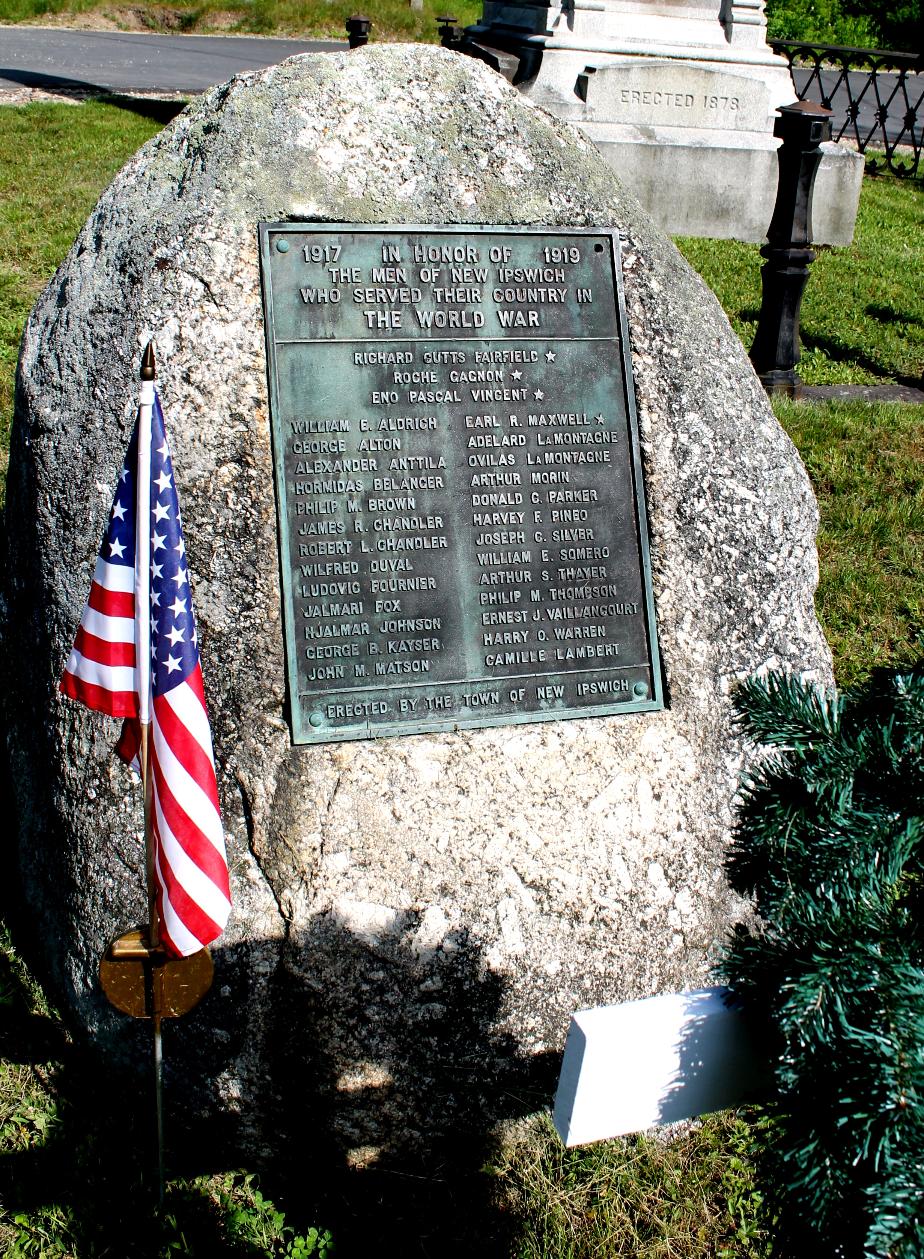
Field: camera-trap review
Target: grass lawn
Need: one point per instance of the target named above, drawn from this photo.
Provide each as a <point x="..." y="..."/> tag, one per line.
<point x="863" y="310"/>
<point x="64" y="1187"/>
<point x="318" y="19"/>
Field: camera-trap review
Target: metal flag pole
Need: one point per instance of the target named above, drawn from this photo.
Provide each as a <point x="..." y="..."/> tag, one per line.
<point x="143" y="657"/>
<point x="140" y="972"/>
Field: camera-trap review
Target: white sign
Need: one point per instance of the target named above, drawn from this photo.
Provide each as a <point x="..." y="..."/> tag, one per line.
<point x="628" y="1067"/>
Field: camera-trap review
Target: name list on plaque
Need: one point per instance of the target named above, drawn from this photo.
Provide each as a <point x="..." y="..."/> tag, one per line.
<point x="462" y="529"/>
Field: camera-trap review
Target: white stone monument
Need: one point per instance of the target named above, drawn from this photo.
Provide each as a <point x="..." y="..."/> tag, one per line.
<point x="680" y="96"/>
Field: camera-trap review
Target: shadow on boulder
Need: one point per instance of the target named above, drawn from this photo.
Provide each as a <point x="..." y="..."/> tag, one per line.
<point x="381" y="1115"/>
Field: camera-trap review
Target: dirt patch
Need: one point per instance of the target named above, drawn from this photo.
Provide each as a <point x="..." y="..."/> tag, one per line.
<point x="77" y="96"/>
<point x="138" y="17"/>
<point x="219" y="20"/>
<point x="93" y="21"/>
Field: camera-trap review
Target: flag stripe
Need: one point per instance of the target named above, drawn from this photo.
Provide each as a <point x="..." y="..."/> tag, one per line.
<point x="185" y="875"/>
<point x="196" y="803"/>
<point x="102" y="652"/>
<point x="175" y="711"/>
<point x="114" y="629"/>
<point x="129" y="744"/>
<point x="206" y="857"/>
<point x="100" y="699"/>
<point x="136" y="639"/>
<point x="114" y="577"/>
<point x="116" y="678"/>
<point x="111" y="602"/>
<point x="173" y="934"/>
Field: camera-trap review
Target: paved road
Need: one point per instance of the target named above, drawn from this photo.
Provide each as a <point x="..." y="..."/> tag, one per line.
<point x="117" y="61"/>
<point x="895" y="101"/>
<point x="36" y="56"/>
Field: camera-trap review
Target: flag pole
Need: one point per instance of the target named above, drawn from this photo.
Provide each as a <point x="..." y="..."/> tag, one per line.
<point x="143" y="657"/>
<point x="163" y="969"/>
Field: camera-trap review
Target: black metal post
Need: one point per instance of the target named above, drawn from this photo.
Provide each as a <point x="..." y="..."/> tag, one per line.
<point x="358" y="27"/>
<point x="450" y="32"/>
<point x="802" y="127"/>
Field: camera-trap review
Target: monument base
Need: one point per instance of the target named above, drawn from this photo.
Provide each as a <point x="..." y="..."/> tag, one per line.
<point x="681" y="109"/>
<point x="694" y="186"/>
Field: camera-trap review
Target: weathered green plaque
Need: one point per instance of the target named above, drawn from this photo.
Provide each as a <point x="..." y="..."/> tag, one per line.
<point x="462" y="528"/>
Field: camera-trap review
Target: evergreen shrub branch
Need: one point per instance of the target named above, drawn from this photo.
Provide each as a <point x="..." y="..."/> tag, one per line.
<point x="829" y="844"/>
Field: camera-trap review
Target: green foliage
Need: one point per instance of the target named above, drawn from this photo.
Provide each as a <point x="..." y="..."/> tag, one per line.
<point x="320" y="19"/>
<point x="830" y="845"/>
<point x="896" y="24"/>
<point x="825" y="21"/>
<point x="249" y="1223"/>
<point x="204" y="1217"/>
<point x="41" y="213"/>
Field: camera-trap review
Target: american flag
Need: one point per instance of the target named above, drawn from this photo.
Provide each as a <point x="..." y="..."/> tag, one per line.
<point x="136" y="656"/>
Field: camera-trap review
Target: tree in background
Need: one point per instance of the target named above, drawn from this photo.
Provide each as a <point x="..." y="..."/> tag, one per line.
<point x="896" y="24"/>
<point x="829" y="844"/>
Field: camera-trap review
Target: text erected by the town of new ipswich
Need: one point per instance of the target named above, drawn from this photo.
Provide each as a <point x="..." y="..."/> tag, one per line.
<point x="462" y="524"/>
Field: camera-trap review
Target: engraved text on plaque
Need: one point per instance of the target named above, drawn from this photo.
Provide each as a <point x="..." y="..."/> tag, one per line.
<point x="462" y="522"/>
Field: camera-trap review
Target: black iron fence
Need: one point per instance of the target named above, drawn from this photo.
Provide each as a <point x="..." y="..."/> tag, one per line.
<point x="876" y="97"/>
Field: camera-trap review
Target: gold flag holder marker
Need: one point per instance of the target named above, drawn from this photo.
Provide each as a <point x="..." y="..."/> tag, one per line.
<point x="147" y="984"/>
<point x="141" y="980"/>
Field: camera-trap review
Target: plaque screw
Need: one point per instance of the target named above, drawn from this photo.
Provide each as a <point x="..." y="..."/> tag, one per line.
<point x="282" y="245"/>
<point x="316" y="719"/>
<point x="640" y="689"/>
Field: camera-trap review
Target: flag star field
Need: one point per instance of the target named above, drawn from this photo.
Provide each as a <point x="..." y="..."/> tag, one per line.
<point x="103" y="672"/>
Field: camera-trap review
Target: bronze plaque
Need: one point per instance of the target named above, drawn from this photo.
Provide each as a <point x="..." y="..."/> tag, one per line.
<point x="462" y="529"/>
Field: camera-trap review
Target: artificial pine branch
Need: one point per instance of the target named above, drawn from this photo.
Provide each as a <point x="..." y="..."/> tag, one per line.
<point x="829" y="843"/>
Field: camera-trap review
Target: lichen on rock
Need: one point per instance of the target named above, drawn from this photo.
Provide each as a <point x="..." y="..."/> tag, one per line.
<point x="416" y="917"/>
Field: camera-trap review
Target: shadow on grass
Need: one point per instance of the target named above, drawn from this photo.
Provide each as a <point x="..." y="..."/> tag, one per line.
<point x="391" y="1152"/>
<point x="886" y="314"/>
<point x="162" y="111"/>
<point x="838" y="352"/>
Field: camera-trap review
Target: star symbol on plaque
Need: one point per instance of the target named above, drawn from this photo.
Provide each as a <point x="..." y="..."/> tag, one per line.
<point x="550" y="356"/>
<point x="517" y="375"/>
<point x="538" y="395"/>
<point x="599" y="419"/>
